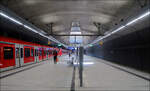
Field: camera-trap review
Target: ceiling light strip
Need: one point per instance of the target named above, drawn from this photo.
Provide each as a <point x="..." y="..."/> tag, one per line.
<point x="29" y="28"/>
<point x="141" y="17"/>
<point x="10" y="18"/>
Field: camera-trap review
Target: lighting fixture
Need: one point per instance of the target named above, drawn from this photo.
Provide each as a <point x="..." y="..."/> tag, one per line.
<point x="141" y="17"/>
<point x="118" y="29"/>
<point x="10" y="18"/>
<point x="30" y="28"/>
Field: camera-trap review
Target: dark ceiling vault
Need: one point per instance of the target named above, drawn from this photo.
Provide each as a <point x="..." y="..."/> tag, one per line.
<point x="55" y="16"/>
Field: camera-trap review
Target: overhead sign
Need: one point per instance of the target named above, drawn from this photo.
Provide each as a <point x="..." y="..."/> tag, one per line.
<point x="49" y="42"/>
<point x="101" y="42"/>
<point x="71" y="48"/>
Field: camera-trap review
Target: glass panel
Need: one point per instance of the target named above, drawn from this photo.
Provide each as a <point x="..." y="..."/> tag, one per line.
<point x="8" y="53"/>
<point x="32" y="52"/>
<point x="44" y="52"/>
<point x="47" y="52"/>
<point x="37" y="52"/>
<point x="17" y="52"/>
<point x="21" y="52"/>
<point x="40" y="52"/>
<point x="27" y="52"/>
<point x="76" y="39"/>
<point x="75" y="28"/>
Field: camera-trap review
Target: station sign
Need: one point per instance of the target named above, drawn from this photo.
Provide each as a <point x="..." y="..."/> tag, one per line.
<point x="101" y="42"/>
<point x="71" y="48"/>
<point x="49" y="42"/>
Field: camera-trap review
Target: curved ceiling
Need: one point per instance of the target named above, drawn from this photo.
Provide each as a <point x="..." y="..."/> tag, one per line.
<point x="63" y="12"/>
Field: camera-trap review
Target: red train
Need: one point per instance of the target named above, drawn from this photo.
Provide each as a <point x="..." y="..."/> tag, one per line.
<point x="16" y="53"/>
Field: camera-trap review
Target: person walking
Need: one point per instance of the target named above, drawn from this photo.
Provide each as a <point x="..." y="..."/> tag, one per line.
<point x="55" y="56"/>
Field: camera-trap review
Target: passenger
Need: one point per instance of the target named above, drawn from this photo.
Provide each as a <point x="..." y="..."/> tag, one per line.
<point x="69" y="54"/>
<point x="60" y="52"/>
<point x="55" y="56"/>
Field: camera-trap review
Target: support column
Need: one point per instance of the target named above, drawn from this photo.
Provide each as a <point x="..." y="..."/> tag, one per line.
<point x="81" y="52"/>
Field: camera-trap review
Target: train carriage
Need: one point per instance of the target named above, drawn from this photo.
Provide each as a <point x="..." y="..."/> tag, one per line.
<point x="7" y="55"/>
<point x="16" y="53"/>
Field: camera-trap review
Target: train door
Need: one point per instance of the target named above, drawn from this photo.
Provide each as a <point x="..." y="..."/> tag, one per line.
<point x="43" y="54"/>
<point x="28" y="55"/>
<point x="0" y="56"/>
<point x="48" y="54"/>
<point x="35" y="57"/>
<point x="7" y="55"/>
<point x="36" y="54"/>
<point x="21" y="55"/>
<point x="40" y="54"/>
<point x="18" y="60"/>
<point x="33" y="54"/>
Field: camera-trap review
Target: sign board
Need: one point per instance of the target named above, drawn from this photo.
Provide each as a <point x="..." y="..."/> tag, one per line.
<point x="101" y="42"/>
<point x="49" y="42"/>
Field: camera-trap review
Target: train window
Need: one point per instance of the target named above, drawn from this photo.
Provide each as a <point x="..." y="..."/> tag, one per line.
<point x="8" y="53"/>
<point x="40" y="52"/>
<point x="17" y="52"/>
<point x="47" y="52"/>
<point x="36" y="52"/>
<point x="21" y="52"/>
<point x="27" y="52"/>
<point x="32" y="52"/>
<point x="44" y="52"/>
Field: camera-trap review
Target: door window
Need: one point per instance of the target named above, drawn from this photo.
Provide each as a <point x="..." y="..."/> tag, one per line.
<point x="32" y="52"/>
<point x="40" y="52"/>
<point x="44" y="52"/>
<point x="17" y="52"/>
<point x="36" y="52"/>
<point x="47" y="52"/>
<point x="21" y="52"/>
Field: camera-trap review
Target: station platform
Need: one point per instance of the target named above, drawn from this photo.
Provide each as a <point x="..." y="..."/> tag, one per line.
<point x="97" y="75"/>
<point x="46" y="76"/>
<point x="102" y="75"/>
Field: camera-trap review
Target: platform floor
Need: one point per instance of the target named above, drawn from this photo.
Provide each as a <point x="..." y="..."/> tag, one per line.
<point x="47" y="76"/>
<point x="97" y="75"/>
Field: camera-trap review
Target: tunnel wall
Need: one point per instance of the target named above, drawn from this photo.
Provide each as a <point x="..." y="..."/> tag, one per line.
<point x="131" y="50"/>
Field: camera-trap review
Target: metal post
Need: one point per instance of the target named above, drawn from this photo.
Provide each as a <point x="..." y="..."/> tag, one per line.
<point x="81" y="65"/>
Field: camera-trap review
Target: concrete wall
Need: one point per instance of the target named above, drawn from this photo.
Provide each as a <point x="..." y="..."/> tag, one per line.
<point x="130" y="50"/>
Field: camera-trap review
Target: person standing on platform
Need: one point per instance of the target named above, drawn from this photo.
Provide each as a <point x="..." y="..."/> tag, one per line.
<point x="55" y="56"/>
<point x="69" y="54"/>
<point x="60" y="52"/>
